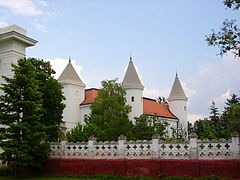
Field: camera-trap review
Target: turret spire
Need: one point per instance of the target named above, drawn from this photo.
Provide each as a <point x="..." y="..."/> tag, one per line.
<point x="131" y="77"/>
<point x="177" y="91"/>
<point x="69" y="74"/>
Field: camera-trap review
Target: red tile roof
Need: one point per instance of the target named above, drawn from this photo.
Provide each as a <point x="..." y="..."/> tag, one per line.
<point x="90" y="95"/>
<point x="150" y="106"/>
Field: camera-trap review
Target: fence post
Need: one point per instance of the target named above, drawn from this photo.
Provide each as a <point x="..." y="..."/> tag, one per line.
<point x="63" y="149"/>
<point x="91" y="149"/>
<point x="121" y="146"/>
<point x="235" y="146"/>
<point x="193" y="146"/>
<point x="155" y="146"/>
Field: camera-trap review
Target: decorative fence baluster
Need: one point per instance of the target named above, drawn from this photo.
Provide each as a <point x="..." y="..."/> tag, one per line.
<point x="143" y="149"/>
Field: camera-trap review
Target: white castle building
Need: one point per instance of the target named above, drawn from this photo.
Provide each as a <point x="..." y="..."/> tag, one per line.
<point x="13" y="42"/>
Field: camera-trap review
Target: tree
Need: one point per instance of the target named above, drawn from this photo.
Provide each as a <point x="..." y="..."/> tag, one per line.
<point x="109" y="112"/>
<point x="52" y="97"/>
<point x="231" y="114"/>
<point x="162" y="100"/>
<point x="146" y="126"/>
<point x="228" y="38"/>
<point x="24" y="130"/>
<point x="219" y="126"/>
<point x="204" y="130"/>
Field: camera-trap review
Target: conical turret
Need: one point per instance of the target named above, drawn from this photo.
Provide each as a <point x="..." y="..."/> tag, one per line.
<point x="177" y="102"/>
<point x="134" y="89"/>
<point x="131" y="77"/>
<point x="74" y="92"/>
<point x="70" y="75"/>
<point x="177" y="91"/>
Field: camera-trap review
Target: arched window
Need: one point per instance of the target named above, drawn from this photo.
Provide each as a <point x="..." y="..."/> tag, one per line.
<point x="132" y="98"/>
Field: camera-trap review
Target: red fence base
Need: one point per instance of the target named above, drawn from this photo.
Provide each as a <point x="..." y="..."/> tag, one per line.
<point x="145" y="167"/>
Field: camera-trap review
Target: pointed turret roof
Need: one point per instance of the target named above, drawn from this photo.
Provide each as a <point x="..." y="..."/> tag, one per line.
<point x="69" y="74"/>
<point x="177" y="91"/>
<point x="131" y="77"/>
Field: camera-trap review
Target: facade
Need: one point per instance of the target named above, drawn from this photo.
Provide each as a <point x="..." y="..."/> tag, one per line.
<point x="13" y="43"/>
<point x="78" y="100"/>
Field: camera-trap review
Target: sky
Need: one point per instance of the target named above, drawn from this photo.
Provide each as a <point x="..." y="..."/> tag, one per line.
<point x="163" y="37"/>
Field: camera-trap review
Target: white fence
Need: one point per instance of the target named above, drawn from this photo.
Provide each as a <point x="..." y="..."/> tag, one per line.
<point x="191" y="149"/>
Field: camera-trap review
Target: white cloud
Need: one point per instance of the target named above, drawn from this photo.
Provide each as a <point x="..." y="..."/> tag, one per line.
<point x="215" y="81"/>
<point x="59" y="64"/>
<point x="222" y="97"/>
<point x="3" y="24"/>
<point x="194" y="117"/>
<point x="155" y="93"/>
<point x="189" y="92"/>
<point x="21" y="7"/>
<point x="40" y="27"/>
<point x="42" y="2"/>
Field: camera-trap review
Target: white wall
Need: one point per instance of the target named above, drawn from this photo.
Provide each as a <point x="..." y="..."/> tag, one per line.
<point x="137" y="104"/>
<point x="74" y="97"/>
<point x="179" y="109"/>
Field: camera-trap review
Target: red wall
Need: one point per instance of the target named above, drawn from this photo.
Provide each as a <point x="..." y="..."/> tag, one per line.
<point x="149" y="167"/>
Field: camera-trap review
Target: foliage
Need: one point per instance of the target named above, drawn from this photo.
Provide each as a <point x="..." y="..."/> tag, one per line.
<point x="7" y="171"/>
<point x="81" y="133"/>
<point x="109" y="112"/>
<point x="162" y="100"/>
<point x="109" y="115"/>
<point x="228" y="38"/>
<point x="235" y="4"/>
<point x="146" y="126"/>
<point x="219" y="125"/>
<point x="52" y="97"/>
<point x="231" y="114"/>
<point x="23" y="114"/>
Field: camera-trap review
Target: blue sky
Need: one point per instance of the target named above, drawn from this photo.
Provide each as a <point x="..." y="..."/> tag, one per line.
<point x="162" y="36"/>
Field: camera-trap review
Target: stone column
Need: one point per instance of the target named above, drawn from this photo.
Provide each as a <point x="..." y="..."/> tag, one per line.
<point x="193" y="146"/>
<point x="121" y="146"/>
<point x="63" y="149"/>
<point x="235" y="146"/>
<point x="91" y="150"/>
<point x="155" y="146"/>
<point x="13" y="42"/>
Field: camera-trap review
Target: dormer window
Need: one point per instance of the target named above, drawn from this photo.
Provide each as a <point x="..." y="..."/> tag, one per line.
<point x="132" y="98"/>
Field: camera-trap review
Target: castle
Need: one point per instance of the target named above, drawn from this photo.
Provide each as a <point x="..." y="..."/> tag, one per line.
<point x="13" y="42"/>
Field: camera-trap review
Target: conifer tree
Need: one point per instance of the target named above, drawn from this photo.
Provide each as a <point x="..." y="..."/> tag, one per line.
<point x="231" y="114"/>
<point x="22" y="135"/>
<point x="26" y="123"/>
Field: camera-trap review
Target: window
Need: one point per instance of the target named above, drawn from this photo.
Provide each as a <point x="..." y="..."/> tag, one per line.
<point x="132" y="98"/>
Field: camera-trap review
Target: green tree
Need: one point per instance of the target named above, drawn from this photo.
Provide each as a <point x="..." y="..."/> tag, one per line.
<point x="204" y="129"/>
<point x="231" y="116"/>
<point x="30" y="113"/>
<point x="162" y="100"/>
<point x="228" y="38"/>
<point x="146" y="126"/>
<point x="22" y="134"/>
<point x="52" y="97"/>
<point x="109" y="112"/>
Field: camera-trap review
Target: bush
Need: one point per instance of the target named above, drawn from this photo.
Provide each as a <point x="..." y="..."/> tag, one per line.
<point x="7" y="171"/>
